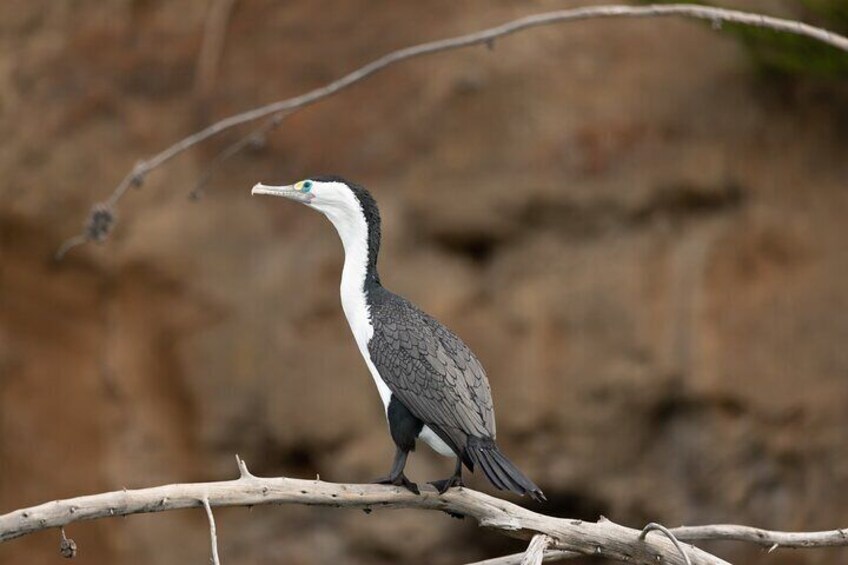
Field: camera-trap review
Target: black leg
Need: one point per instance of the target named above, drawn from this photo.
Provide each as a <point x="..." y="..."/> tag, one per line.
<point x="454" y="480"/>
<point x="404" y="427"/>
<point x="396" y="476"/>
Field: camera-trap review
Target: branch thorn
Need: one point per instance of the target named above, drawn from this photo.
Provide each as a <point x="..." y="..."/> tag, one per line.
<point x="244" y="472"/>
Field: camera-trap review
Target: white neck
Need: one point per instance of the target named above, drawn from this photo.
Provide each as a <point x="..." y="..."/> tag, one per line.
<point x="353" y="231"/>
<point x="352" y="289"/>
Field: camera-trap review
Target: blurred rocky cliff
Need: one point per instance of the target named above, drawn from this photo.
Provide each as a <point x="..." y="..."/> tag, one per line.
<point x="645" y="243"/>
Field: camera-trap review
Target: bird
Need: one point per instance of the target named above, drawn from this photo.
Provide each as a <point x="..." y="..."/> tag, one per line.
<point x="432" y="386"/>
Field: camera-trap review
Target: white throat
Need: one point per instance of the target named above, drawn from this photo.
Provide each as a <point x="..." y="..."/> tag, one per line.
<point x="353" y="230"/>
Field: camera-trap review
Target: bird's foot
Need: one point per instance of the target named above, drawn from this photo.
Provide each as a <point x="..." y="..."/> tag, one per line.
<point x="399" y="481"/>
<point x="443" y="485"/>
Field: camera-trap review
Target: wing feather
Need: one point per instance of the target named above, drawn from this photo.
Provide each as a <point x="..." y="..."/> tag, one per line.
<point x="430" y="369"/>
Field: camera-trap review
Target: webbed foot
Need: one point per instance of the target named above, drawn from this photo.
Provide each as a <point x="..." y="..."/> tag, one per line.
<point x="399" y="481"/>
<point x="443" y="485"/>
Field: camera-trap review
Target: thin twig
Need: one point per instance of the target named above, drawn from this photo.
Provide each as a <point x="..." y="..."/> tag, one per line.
<point x="135" y="178"/>
<point x="653" y="526"/>
<point x="68" y="244"/>
<point x="484" y="37"/>
<point x="255" y="136"/>
<point x="213" y="533"/>
<point x="98" y="225"/>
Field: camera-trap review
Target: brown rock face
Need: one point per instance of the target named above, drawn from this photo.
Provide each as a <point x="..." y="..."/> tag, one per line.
<point x="644" y="245"/>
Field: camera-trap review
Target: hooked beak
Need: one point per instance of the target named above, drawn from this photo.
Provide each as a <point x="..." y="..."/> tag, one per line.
<point x="289" y="192"/>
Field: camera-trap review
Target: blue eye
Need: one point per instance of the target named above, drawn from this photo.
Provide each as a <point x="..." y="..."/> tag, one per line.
<point x="307" y="186"/>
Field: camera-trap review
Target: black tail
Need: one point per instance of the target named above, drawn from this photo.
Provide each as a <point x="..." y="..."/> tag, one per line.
<point x="485" y="454"/>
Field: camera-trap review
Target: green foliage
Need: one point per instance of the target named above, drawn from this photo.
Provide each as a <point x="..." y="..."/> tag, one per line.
<point x="788" y="55"/>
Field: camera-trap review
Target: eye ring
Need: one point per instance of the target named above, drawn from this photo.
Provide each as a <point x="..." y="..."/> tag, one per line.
<point x="307" y="186"/>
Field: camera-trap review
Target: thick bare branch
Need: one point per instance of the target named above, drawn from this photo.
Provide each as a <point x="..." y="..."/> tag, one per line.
<point x="558" y="538"/>
<point x="484" y="37"/>
<point x="587" y="538"/>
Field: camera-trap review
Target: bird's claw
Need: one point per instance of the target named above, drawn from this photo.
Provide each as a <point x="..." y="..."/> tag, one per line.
<point x="399" y="481"/>
<point x="443" y="485"/>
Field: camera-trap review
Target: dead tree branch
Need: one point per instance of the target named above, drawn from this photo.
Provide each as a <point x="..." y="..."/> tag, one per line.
<point x="587" y="538"/>
<point x="769" y="539"/>
<point x="536" y="550"/>
<point x="564" y="537"/>
<point x="255" y="137"/>
<point x="213" y="531"/>
<point x="765" y="538"/>
<point x="484" y="37"/>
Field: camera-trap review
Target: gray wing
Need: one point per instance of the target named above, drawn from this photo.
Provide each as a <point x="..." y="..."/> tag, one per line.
<point x="431" y="370"/>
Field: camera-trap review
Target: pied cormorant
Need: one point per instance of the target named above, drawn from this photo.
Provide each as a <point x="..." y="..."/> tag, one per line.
<point x="431" y="384"/>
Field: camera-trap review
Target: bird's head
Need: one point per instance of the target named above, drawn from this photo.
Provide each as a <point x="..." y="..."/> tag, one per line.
<point x="325" y="194"/>
<point x="350" y="208"/>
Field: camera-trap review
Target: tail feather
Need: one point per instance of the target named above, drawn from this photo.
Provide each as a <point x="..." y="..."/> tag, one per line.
<point x="493" y="473"/>
<point x="516" y="479"/>
<point x="499" y="470"/>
